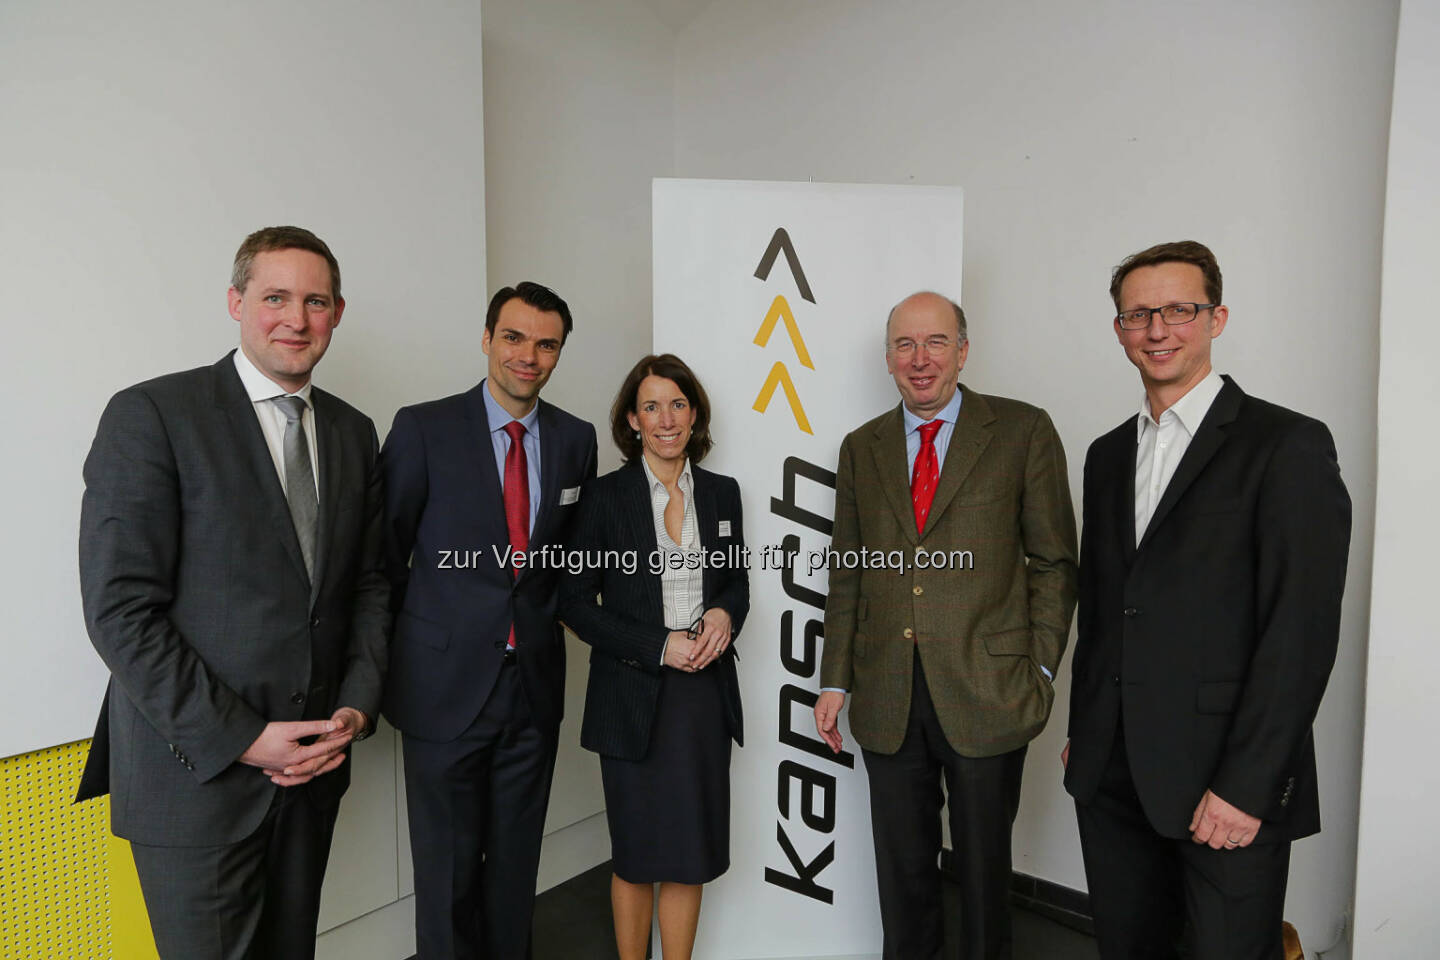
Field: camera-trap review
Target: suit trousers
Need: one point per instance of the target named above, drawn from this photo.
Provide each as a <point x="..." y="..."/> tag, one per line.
<point x="905" y="802"/>
<point x="258" y="899"/>
<point x="1150" y="894"/>
<point x="477" y="816"/>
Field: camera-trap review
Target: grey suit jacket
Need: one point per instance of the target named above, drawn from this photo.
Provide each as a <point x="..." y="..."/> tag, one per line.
<point x="197" y="599"/>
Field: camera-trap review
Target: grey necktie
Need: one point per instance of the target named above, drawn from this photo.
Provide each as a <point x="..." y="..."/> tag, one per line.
<point x="299" y="478"/>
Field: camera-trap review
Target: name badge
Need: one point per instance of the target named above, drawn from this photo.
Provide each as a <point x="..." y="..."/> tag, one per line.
<point x="569" y="495"/>
<point x="724" y="528"/>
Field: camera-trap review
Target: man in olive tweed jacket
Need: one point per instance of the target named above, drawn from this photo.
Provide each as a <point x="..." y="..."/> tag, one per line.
<point x="949" y="660"/>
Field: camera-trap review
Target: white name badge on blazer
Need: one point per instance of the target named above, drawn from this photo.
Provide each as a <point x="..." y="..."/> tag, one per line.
<point x="569" y="495"/>
<point x="724" y="528"/>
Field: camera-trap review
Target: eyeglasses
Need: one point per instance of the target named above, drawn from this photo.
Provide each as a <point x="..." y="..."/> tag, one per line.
<point x="1174" y="314"/>
<point x="696" y="628"/>
<point x="905" y="347"/>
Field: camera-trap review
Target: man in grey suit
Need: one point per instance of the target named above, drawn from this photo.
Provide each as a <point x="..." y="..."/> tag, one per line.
<point x="230" y="564"/>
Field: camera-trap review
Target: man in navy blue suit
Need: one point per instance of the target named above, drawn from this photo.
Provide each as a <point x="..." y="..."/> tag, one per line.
<point x="477" y="484"/>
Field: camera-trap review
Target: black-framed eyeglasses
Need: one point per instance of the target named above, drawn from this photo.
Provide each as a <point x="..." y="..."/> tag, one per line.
<point x="696" y="628"/>
<point x="1174" y="314"/>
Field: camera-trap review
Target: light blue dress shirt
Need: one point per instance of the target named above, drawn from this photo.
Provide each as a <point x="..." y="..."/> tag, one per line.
<point x="947" y="416"/>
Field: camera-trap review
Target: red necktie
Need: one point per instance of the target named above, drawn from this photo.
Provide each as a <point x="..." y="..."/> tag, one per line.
<point x="517" y="499"/>
<point x="927" y="473"/>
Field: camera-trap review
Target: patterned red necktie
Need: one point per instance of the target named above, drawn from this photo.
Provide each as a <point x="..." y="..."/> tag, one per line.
<point x="517" y="499"/>
<point x="927" y="473"/>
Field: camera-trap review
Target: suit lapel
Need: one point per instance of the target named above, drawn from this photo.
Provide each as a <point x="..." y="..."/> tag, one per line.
<point x="231" y="398"/>
<point x="967" y="442"/>
<point x="635" y="502"/>
<point x="330" y="459"/>
<point x="888" y="448"/>
<point x="1126" y="507"/>
<point x="1203" y="447"/>
<point x="707" y="523"/>
<point x="480" y="464"/>
<point x="550" y="443"/>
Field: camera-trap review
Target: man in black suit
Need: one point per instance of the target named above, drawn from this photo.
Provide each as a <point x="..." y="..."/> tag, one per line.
<point x="230" y="564"/>
<point x="1212" y="562"/>
<point x="477" y="487"/>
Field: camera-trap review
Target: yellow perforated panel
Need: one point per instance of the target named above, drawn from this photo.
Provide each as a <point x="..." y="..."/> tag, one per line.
<point x="67" y="888"/>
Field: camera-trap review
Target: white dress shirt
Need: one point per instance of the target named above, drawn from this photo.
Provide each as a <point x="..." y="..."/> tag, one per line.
<point x="682" y="589"/>
<point x="261" y="389"/>
<point x="1162" y="443"/>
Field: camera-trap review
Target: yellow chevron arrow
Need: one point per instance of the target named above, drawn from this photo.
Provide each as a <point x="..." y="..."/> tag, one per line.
<point x="779" y="376"/>
<point x="779" y="309"/>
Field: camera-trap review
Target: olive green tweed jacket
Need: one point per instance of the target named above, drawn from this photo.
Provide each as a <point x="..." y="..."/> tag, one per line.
<point x="986" y="593"/>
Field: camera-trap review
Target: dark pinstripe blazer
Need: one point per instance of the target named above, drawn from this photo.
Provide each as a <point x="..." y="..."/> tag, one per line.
<point x="627" y="633"/>
<point x="984" y="631"/>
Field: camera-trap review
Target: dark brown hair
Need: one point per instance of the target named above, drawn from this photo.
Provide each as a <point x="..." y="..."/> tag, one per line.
<point x="537" y="295"/>
<point x="1179" y="251"/>
<point x="281" y="238"/>
<point x="670" y="367"/>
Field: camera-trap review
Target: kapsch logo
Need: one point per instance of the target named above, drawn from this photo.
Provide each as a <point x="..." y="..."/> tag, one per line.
<point x="806" y="782"/>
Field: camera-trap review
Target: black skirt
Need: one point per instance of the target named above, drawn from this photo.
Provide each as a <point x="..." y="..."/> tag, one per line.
<point x="669" y="813"/>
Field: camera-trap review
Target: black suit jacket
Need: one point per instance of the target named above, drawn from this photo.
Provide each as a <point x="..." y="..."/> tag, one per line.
<point x="454" y="601"/>
<point x="1215" y="636"/>
<point x="196" y="597"/>
<point x="627" y="633"/>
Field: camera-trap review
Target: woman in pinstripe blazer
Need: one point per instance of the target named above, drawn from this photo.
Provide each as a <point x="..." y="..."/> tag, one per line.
<point x="662" y="543"/>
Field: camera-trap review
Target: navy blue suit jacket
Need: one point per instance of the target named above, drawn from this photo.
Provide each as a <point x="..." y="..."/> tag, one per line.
<point x="454" y="602"/>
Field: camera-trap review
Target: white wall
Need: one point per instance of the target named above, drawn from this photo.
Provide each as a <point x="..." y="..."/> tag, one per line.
<point x="1395" y="914"/>
<point x="142" y="142"/>
<point x="1081" y="133"/>
<point x="578" y="120"/>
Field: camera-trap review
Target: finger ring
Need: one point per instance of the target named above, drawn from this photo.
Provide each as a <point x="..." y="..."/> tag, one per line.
<point x="1230" y="839"/>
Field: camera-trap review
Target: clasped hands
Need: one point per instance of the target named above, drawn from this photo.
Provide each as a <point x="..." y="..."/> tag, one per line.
<point x="281" y="756"/>
<point x="695" y="649"/>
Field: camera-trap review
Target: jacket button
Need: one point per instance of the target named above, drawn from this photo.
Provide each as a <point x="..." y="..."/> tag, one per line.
<point x="918" y="590"/>
<point x="315" y="622"/>
<point x="297" y="698"/>
<point x="1115" y="679"/>
<point x="909" y="634"/>
<point x="1131" y="611"/>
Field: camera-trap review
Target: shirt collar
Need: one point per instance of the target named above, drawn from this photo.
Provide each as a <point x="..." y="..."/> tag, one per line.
<point x="948" y="413"/>
<point x="499" y="416"/>
<point x="260" y="387"/>
<point x="685" y="481"/>
<point x="1189" y="409"/>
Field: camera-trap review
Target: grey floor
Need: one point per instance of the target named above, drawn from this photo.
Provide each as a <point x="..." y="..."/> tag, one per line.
<point x="572" y="922"/>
